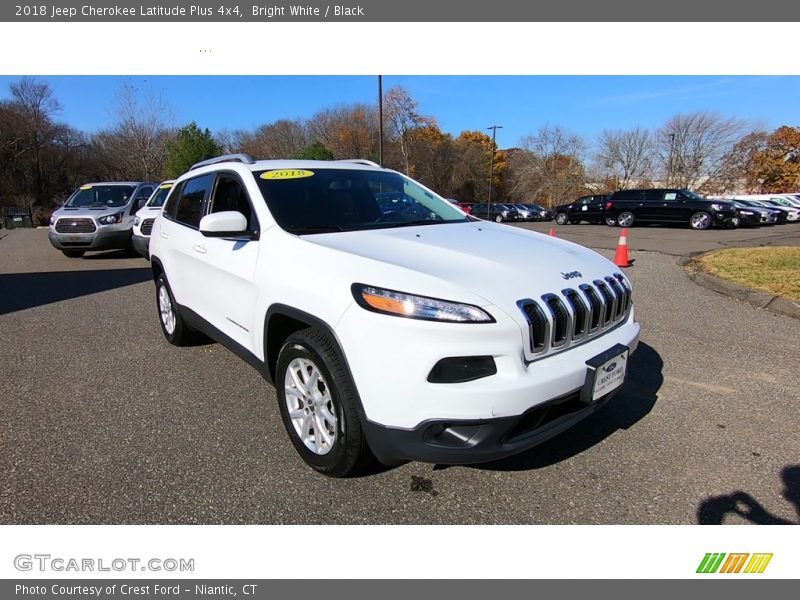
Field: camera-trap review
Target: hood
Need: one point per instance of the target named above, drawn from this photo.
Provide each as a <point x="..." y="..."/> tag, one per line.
<point x="85" y="211"/>
<point x="498" y="263"/>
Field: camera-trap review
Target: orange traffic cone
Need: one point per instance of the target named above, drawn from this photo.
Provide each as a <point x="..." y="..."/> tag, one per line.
<point x="621" y="255"/>
<point x="552" y="232"/>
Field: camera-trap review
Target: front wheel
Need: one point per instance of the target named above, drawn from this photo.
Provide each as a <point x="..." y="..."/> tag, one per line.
<point x="611" y="221"/>
<point x="73" y="253"/>
<point x="625" y="219"/>
<point x="700" y="220"/>
<point x="318" y="405"/>
<point x="562" y="218"/>
<point x="498" y="219"/>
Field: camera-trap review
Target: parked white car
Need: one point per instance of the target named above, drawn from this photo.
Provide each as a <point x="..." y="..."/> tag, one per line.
<point x="412" y="334"/>
<point x="146" y="216"/>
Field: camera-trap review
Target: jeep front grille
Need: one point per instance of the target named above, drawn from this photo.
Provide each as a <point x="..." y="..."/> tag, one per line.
<point x="69" y="225"/>
<point x="557" y="322"/>
<point x="147" y="226"/>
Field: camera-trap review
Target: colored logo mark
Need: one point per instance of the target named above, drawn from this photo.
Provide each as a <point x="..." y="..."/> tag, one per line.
<point x="719" y="562"/>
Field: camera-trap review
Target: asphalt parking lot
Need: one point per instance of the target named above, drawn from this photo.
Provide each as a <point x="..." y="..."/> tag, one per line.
<point x="102" y="421"/>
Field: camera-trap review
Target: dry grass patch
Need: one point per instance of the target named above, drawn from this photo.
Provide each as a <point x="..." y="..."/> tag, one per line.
<point x="767" y="269"/>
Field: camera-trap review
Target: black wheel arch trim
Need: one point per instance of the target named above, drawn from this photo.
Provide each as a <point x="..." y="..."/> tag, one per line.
<point x="312" y="321"/>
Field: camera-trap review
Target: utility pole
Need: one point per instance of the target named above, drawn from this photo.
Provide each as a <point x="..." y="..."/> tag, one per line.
<point x="380" y="119"/>
<point x="494" y="129"/>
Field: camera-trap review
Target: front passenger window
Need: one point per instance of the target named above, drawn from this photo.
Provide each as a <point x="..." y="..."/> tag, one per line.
<point x="229" y="195"/>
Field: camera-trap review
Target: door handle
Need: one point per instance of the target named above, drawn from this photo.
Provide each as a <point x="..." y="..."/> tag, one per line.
<point x="199" y="248"/>
<point x="165" y="235"/>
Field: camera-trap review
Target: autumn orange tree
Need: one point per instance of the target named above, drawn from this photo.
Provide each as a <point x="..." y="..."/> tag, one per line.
<point x="473" y="153"/>
<point x="776" y="166"/>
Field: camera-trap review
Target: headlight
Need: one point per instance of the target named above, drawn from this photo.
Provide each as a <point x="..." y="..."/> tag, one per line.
<point x="746" y="212"/>
<point x="399" y="304"/>
<point x="718" y="206"/>
<point x="52" y="219"/>
<point x="110" y="219"/>
<point x="136" y="221"/>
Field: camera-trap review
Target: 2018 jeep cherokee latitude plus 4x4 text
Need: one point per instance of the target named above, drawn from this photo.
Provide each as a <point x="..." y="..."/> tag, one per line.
<point x="407" y="331"/>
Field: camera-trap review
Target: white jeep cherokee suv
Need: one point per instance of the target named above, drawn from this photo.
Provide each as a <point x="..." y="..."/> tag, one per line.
<point x="390" y="322"/>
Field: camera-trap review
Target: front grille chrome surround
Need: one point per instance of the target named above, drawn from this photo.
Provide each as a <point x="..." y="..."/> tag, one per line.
<point x="75" y="225"/>
<point x="559" y="321"/>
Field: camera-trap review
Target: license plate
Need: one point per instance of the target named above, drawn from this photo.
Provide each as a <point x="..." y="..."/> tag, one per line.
<point x="605" y="373"/>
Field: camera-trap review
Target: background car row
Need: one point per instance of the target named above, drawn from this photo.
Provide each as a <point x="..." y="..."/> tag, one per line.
<point x="626" y="208"/>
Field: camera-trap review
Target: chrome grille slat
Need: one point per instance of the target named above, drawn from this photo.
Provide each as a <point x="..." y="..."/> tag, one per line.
<point x="76" y="225"/>
<point x="609" y="301"/>
<point x="147" y="226"/>
<point x="559" y="321"/>
<point x="562" y="320"/>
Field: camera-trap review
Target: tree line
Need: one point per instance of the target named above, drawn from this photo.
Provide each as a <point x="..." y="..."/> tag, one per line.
<point x="43" y="159"/>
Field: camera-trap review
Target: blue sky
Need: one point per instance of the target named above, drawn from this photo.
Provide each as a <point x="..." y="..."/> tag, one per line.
<point x="583" y="104"/>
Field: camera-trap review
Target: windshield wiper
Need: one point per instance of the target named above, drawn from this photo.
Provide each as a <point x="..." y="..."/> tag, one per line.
<point x="413" y="223"/>
<point x="314" y="229"/>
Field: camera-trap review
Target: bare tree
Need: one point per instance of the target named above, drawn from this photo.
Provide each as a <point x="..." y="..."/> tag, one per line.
<point x="281" y="139"/>
<point x="347" y="130"/>
<point x="403" y="118"/>
<point x="548" y="167"/>
<point x="626" y="157"/>
<point x="693" y="147"/>
<point x="135" y="148"/>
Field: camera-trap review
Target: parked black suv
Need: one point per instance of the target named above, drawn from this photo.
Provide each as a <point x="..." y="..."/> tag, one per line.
<point x="667" y="205"/>
<point x="500" y="212"/>
<point x="585" y="208"/>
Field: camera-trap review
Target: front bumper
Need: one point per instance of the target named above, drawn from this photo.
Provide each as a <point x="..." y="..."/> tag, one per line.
<point x="142" y="245"/>
<point x="392" y="376"/>
<point x="724" y="217"/>
<point x="470" y="442"/>
<point x="102" y="239"/>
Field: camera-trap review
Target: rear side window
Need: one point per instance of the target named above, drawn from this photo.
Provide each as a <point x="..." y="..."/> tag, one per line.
<point x="655" y="196"/>
<point x="189" y="209"/>
<point x="627" y="195"/>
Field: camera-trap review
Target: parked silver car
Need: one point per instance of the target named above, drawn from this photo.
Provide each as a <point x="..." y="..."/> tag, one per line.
<point x="98" y="216"/>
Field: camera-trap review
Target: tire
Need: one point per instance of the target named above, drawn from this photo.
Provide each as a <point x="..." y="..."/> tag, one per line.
<point x="562" y="218"/>
<point x="611" y="221"/>
<point x="172" y="324"/>
<point x="333" y="407"/>
<point x="625" y="219"/>
<point x="734" y="222"/>
<point x="73" y="253"/>
<point x="498" y="219"/>
<point x="700" y="220"/>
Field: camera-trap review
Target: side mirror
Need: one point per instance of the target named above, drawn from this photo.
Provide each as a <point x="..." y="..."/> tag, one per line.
<point x="228" y="223"/>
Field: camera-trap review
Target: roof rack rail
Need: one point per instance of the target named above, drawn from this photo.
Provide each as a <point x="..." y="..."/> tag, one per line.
<point x="362" y="161"/>
<point x="241" y="157"/>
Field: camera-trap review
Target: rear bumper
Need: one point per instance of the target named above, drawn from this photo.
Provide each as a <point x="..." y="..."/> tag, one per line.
<point x="98" y="240"/>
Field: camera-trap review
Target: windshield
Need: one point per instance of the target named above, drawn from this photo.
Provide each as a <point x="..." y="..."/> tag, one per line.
<point x="101" y="196"/>
<point x="329" y="200"/>
<point x="158" y="197"/>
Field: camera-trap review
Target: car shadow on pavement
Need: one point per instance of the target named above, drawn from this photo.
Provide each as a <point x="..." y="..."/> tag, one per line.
<point x="630" y="405"/>
<point x="712" y="511"/>
<point x="28" y="290"/>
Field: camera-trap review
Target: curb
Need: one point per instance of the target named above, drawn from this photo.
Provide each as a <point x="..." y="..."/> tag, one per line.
<point x="763" y="300"/>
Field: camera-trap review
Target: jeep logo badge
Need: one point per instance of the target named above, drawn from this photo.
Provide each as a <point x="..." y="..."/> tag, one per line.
<point x="571" y="275"/>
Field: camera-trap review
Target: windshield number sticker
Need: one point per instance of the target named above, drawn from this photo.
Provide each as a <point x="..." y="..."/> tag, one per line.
<point x="287" y="174"/>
